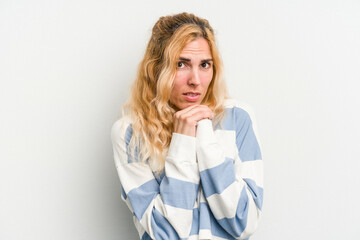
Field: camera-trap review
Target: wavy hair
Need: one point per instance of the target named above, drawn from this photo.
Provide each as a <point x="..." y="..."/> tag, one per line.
<point x="148" y="106"/>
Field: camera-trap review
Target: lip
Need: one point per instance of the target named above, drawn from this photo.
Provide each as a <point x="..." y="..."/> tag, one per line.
<point x="193" y="97"/>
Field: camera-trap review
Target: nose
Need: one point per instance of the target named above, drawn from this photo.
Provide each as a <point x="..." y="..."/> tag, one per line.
<point x="194" y="78"/>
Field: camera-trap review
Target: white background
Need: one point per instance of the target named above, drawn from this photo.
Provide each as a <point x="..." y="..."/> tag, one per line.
<point x="66" y="68"/>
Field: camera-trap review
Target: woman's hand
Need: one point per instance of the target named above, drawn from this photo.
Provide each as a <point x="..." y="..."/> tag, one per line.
<point x="185" y="120"/>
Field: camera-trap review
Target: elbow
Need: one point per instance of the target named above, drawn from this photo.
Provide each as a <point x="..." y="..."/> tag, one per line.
<point x="245" y="222"/>
<point x="248" y="216"/>
<point x="253" y="201"/>
<point x="250" y="229"/>
<point x="252" y="221"/>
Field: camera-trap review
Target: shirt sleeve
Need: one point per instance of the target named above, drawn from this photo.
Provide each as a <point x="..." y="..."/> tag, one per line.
<point x="165" y="210"/>
<point x="233" y="186"/>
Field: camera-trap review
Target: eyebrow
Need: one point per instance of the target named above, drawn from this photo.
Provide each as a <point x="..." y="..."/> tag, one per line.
<point x="189" y="60"/>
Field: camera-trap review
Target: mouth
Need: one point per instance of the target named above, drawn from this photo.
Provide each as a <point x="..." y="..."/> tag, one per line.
<point x="191" y="96"/>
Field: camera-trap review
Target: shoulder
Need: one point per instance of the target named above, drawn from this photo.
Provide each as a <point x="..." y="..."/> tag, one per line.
<point x="239" y="110"/>
<point x="120" y="129"/>
<point x="241" y="115"/>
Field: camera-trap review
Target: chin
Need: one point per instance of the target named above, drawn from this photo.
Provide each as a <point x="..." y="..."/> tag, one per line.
<point x="183" y="105"/>
<point x="188" y="104"/>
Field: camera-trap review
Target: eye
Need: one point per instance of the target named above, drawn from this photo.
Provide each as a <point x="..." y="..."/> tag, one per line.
<point x="180" y="65"/>
<point x="205" y="65"/>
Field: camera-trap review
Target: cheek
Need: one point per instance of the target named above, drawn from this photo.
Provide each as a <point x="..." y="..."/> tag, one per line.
<point x="207" y="79"/>
<point x="179" y="82"/>
<point x="175" y="89"/>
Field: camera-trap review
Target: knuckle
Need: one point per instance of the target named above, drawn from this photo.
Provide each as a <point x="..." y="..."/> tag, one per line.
<point x="188" y="120"/>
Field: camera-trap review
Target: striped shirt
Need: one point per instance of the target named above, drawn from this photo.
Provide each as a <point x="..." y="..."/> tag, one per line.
<point x="211" y="187"/>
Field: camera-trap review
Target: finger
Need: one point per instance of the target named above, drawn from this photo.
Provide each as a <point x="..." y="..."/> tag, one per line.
<point x="186" y="114"/>
<point x="200" y="112"/>
<point x="185" y="110"/>
<point x="199" y="115"/>
<point x="200" y="108"/>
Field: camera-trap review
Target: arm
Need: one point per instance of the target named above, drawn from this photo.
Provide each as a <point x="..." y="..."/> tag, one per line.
<point x="232" y="183"/>
<point x="165" y="211"/>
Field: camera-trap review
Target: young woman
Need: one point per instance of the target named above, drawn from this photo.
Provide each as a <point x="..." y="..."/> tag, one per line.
<point x="188" y="160"/>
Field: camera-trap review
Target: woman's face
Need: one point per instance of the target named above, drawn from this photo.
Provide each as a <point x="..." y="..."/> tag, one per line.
<point x="193" y="75"/>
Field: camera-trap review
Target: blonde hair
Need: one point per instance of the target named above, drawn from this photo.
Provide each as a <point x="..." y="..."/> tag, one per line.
<point x="149" y="107"/>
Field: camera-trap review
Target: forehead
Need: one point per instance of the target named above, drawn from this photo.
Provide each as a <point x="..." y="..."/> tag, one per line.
<point x="198" y="47"/>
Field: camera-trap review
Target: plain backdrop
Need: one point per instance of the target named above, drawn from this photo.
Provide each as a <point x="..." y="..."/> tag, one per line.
<point x="66" y="68"/>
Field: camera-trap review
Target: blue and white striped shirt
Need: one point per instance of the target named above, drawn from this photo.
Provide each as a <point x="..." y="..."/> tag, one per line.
<point x="211" y="187"/>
